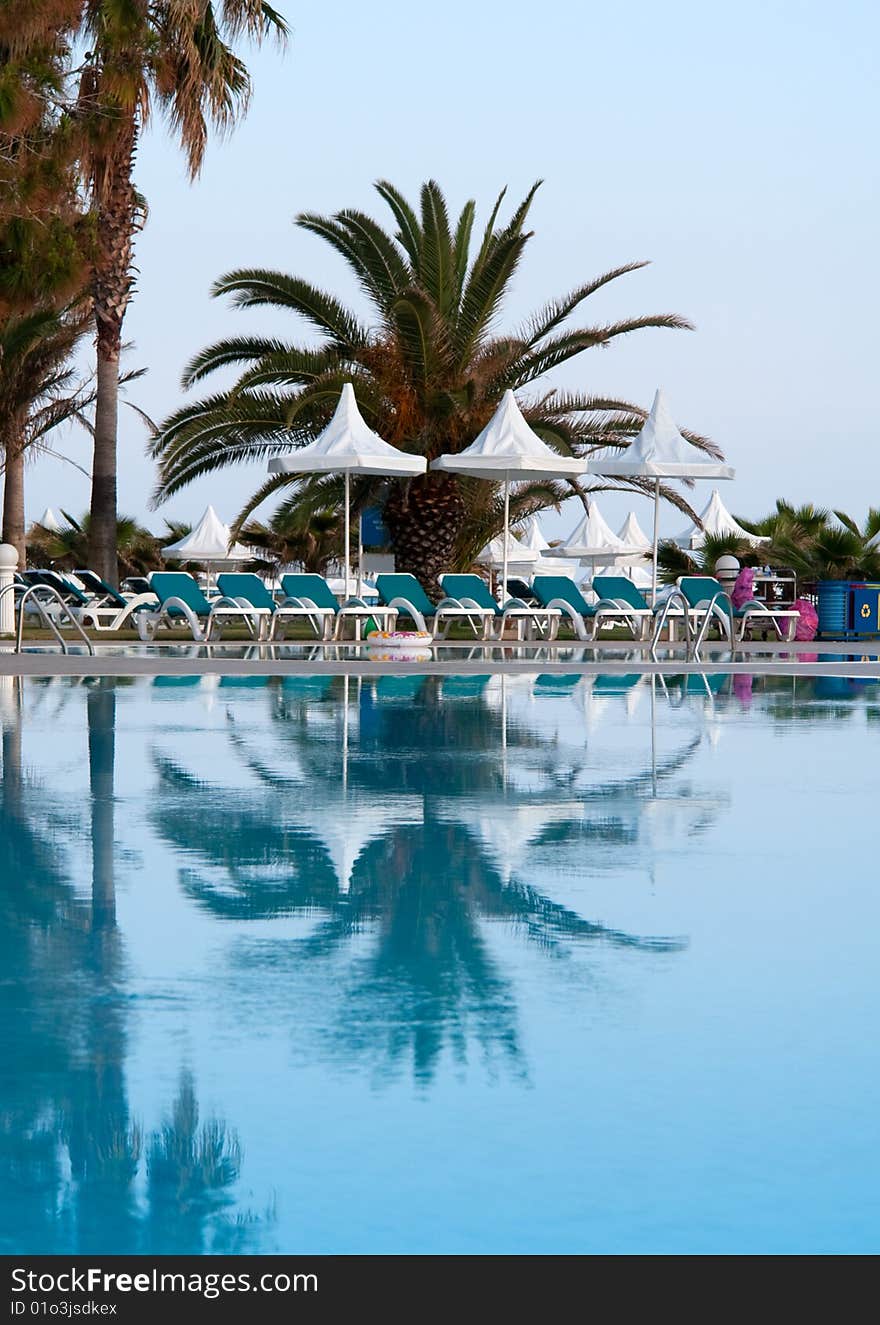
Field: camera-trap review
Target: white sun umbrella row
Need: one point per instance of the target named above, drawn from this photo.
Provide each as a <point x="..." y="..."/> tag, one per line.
<point x="508" y="451"/>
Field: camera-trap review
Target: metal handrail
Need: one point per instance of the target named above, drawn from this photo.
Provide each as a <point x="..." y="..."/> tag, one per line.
<point x="32" y="592"/>
<point x="664" y="613"/>
<point x="710" y="608"/>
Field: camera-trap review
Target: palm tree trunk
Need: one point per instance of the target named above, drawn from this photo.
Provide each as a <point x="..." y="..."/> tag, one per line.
<point x="112" y="281"/>
<point x="13" y="500"/>
<point x="424" y="517"/>
<point x="102" y="517"/>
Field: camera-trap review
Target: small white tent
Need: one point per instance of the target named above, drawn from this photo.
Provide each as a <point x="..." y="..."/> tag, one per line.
<point x="49" y="520"/>
<point x="520" y="559"/>
<point x="716" y="521"/>
<point x="594" y="542"/>
<point x="207" y="544"/>
<point x="632" y="534"/>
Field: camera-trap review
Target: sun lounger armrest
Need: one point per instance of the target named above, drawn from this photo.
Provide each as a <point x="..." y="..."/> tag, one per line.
<point x="406" y="608"/>
<point x="303" y="603"/>
<point x="575" y="617"/>
<point x="517" y="604"/>
<point x="719" y="602"/>
<point x="354" y="602"/>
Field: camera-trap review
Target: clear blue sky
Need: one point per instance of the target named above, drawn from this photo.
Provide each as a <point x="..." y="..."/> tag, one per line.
<point x="734" y="146"/>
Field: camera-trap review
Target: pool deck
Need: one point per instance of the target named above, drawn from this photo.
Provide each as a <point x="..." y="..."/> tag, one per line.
<point x="610" y="657"/>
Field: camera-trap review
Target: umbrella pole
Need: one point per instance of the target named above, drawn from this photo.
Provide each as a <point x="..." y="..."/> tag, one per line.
<point x="506" y="537"/>
<point x="349" y="529"/>
<point x="360" y="591"/>
<point x="654" y="555"/>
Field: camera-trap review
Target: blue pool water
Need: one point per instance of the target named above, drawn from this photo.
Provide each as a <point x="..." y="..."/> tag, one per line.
<point x="438" y="964"/>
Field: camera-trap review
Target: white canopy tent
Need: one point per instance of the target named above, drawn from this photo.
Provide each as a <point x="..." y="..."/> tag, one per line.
<point x="208" y="544"/>
<point x="508" y="451"/>
<point x="717" y="521"/>
<point x="533" y="536"/>
<point x="510" y="552"/>
<point x="632" y="533"/>
<point x="659" y="451"/>
<point x="593" y="542"/>
<point x="347" y="446"/>
<point x="49" y="520"/>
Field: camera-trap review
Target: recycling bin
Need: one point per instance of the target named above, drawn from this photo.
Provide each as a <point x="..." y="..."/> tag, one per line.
<point x="865" y="609"/>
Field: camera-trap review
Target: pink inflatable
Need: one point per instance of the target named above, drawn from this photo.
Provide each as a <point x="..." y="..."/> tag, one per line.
<point x="808" y="621"/>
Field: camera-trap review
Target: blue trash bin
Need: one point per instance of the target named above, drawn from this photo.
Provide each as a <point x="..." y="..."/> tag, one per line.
<point x="833" y="608"/>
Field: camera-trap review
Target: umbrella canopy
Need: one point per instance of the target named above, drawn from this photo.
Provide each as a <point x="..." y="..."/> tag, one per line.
<point x="660" y="451"/>
<point x="717" y="521"/>
<point x="207" y="543"/>
<point x="520" y="559"/>
<point x="532" y="536"/>
<point x="592" y="540"/>
<point x="632" y="533"/>
<point x="49" y="520"/>
<point x="347" y="446"/>
<point x="508" y="451"/>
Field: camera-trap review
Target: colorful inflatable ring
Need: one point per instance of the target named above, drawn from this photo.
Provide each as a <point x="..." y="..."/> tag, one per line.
<point x="393" y="637"/>
<point x="399" y="646"/>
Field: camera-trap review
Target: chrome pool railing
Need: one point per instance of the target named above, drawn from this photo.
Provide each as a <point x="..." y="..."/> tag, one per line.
<point x="675" y="597"/>
<point x="38" y="594"/>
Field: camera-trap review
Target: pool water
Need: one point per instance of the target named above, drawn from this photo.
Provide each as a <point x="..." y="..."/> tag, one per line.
<point x="439" y="964"/>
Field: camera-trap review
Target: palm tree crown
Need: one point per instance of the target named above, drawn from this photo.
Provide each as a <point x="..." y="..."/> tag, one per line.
<point x="428" y="370"/>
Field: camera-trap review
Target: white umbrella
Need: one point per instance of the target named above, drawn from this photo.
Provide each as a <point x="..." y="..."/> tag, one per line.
<point x="658" y="452"/>
<point x="49" y="520"/>
<point x="508" y="451"/>
<point x="208" y="544"/>
<point x="716" y="520"/>
<point x="532" y="536"/>
<point x="632" y="533"/>
<point x="513" y="553"/>
<point x="347" y="446"/>
<point x="593" y="541"/>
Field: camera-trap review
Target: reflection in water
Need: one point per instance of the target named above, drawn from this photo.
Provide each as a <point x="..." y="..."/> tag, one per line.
<point x="70" y="1151"/>
<point x="388" y="870"/>
<point x="419" y="876"/>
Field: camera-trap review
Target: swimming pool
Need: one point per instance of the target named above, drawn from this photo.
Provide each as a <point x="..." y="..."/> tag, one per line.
<point x="517" y="963"/>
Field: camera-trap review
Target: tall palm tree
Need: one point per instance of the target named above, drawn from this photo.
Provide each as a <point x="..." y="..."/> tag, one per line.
<point x="428" y="371"/>
<point x="38" y="392"/>
<point x="44" y="233"/>
<point x="174" y="55"/>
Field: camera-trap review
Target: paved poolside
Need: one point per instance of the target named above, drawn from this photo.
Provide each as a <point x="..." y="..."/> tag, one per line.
<point x="612" y="657"/>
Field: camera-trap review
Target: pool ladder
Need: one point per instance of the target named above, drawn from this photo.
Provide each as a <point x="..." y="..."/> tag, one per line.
<point x="40" y="594"/>
<point x="675" y="597"/>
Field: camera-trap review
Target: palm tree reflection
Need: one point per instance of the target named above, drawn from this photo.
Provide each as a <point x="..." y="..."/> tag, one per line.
<point x="70" y="1149"/>
<point x="423" y="888"/>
